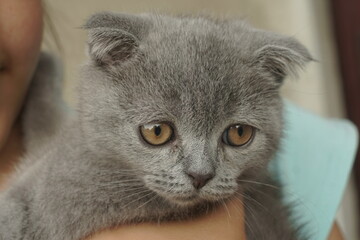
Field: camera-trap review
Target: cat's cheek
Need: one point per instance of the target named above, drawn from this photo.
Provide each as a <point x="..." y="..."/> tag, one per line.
<point x="173" y="189"/>
<point x="234" y="158"/>
<point x="238" y="160"/>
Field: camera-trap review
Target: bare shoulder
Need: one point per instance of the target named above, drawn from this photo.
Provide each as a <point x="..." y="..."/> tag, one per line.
<point x="335" y="233"/>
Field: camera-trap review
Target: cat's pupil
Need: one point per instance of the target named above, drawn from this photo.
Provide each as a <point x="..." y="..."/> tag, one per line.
<point x="157" y="130"/>
<point x="240" y="130"/>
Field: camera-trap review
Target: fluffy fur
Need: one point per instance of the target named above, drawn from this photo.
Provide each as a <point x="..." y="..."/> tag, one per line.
<point x="199" y="74"/>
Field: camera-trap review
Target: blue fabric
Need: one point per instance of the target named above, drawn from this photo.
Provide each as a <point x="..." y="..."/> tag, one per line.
<point x="314" y="164"/>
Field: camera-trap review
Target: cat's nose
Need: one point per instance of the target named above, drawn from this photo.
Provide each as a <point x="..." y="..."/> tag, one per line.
<point x="199" y="180"/>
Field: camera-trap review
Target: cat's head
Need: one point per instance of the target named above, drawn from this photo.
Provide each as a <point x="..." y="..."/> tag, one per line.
<point x="189" y="104"/>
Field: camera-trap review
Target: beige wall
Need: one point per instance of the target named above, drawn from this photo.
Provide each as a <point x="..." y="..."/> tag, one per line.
<point x="318" y="88"/>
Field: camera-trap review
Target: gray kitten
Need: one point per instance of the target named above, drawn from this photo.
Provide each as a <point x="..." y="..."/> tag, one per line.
<point x="175" y="115"/>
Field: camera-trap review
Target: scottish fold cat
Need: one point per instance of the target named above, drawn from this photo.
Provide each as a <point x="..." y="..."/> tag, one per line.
<point x="175" y="115"/>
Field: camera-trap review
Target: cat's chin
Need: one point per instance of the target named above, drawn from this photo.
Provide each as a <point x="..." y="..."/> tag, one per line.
<point x="195" y="200"/>
<point x="186" y="201"/>
<point x="183" y="201"/>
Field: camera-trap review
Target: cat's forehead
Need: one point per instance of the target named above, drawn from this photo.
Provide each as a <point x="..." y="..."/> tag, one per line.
<point x="194" y="43"/>
<point x="197" y="55"/>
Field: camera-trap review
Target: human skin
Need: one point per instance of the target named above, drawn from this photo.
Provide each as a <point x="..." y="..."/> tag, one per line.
<point x="225" y="223"/>
<point x="21" y="27"/>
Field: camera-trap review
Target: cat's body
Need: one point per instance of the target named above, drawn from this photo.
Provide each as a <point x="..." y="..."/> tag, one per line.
<point x="197" y="75"/>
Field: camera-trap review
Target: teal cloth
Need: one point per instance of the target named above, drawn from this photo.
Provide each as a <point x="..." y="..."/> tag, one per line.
<point x="314" y="164"/>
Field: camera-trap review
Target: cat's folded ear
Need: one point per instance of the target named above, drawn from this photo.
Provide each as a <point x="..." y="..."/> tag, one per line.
<point x="282" y="58"/>
<point x="113" y="38"/>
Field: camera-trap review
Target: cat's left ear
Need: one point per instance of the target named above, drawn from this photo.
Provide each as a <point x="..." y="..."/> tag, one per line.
<point x="282" y="58"/>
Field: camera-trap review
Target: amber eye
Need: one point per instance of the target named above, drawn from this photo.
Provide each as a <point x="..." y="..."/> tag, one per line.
<point x="238" y="135"/>
<point x="156" y="133"/>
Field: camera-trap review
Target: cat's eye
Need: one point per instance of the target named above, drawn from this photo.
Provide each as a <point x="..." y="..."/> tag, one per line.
<point x="238" y="135"/>
<point x="156" y="133"/>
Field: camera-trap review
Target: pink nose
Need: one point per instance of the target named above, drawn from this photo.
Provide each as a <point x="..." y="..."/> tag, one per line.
<point x="199" y="180"/>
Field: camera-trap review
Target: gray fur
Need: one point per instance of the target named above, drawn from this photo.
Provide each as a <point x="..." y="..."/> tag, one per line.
<point x="201" y="75"/>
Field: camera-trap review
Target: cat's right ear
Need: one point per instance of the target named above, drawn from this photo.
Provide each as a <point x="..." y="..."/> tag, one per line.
<point x="113" y="38"/>
<point x="109" y="47"/>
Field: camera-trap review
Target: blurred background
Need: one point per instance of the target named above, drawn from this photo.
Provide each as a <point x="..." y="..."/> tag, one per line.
<point x="329" y="87"/>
